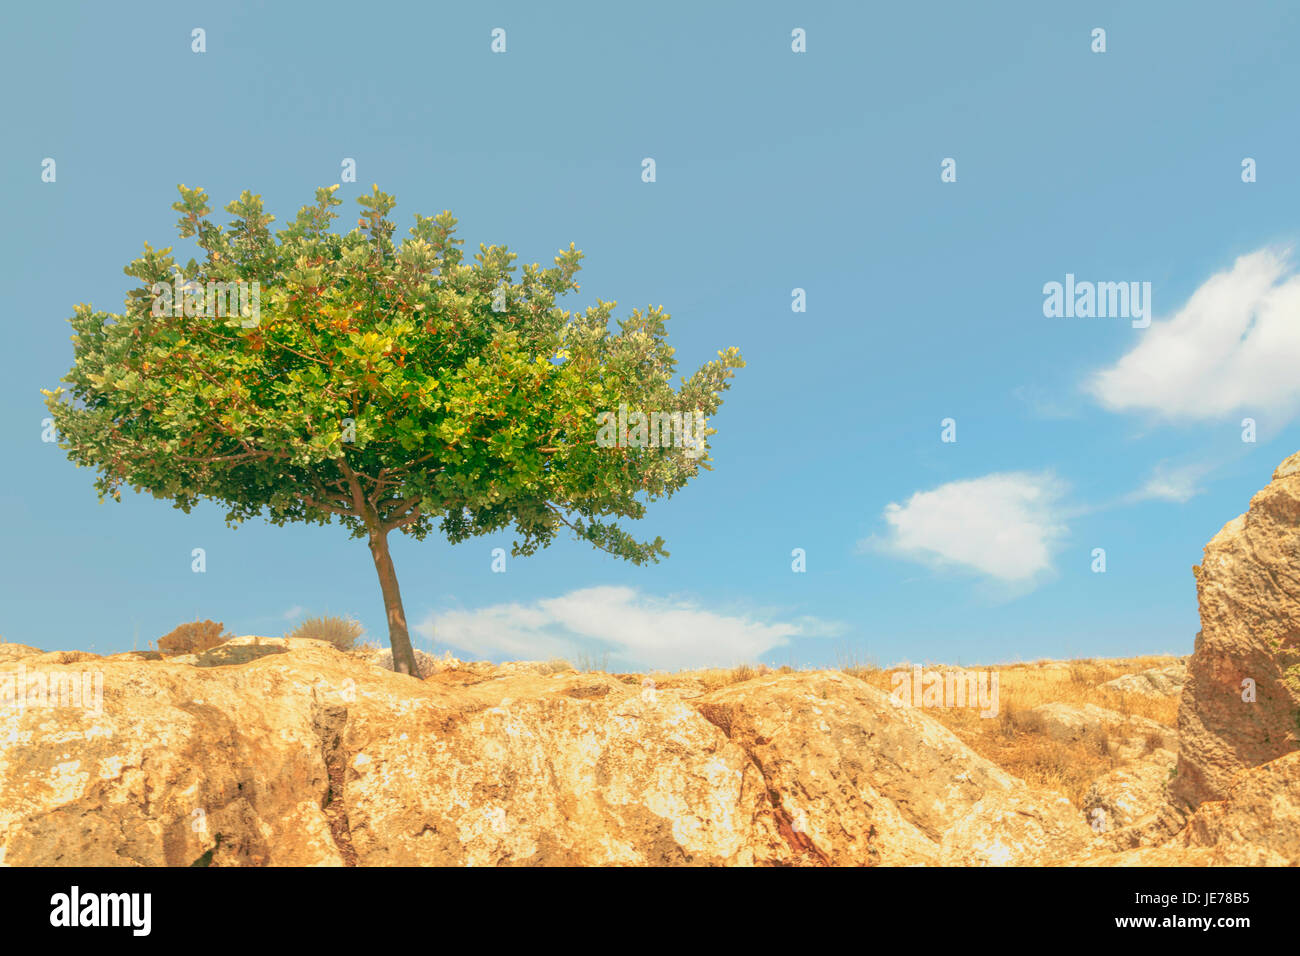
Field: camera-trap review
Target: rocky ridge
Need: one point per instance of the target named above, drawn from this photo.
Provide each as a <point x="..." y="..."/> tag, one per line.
<point x="266" y="751"/>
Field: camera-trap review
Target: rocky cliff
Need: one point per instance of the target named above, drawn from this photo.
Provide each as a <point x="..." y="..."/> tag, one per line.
<point x="1241" y="705"/>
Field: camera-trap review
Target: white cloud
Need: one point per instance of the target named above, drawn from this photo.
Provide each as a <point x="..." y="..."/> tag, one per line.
<point x="642" y="631"/>
<point x="1234" y="347"/>
<point x="294" y="612"/>
<point x="1171" y="484"/>
<point x="1003" y="525"/>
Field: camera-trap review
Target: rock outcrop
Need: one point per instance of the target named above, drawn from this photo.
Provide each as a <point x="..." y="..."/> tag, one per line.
<point x="860" y="780"/>
<point x="265" y="751"/>
<point x="1241" y="705"/>
<point x="1155" y="682"/>
<point x="14" y="652"/>
<point x="1125" y="804"/>
<point x="1258" y="821"/>
<point x="1125" y="737"/>
<point x="297" y="754"/>
<point x="1256" y="824"/>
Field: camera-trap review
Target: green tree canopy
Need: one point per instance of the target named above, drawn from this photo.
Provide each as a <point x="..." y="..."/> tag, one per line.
<point x="387" y="386"/>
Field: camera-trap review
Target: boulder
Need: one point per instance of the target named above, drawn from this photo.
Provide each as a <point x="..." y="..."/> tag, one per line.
<point x="172" y="756"/>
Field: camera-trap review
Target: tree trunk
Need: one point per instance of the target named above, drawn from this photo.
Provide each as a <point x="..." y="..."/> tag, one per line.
<point x="398" y="636"/>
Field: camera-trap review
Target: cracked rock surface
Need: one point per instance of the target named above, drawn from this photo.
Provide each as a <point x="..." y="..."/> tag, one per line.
<point x="297" y="754"/>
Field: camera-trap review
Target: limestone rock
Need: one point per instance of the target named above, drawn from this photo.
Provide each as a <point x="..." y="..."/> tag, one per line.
<point x="298" y="754"/>
<point x="1165" y="681"/>
<point x="1256" y="824"/>
<point x="1248" y="587"/>
<point x="171" y="756"/>
<point x="1125" y="804"/>
<point x="866" y="781"/>
<point x="14" y="652"/>
<point x="1124" y="737"/>
<point x="1019" y="828"/>
<point x="1065" y="722"/>
<point x="529" y="772"/>
<point x="425" y="662"/>
<point x="1258" y="821"/>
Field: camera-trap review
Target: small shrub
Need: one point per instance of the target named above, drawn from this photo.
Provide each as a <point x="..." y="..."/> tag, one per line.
<point x="342" y="632"/>
<point x="194" y="637"/>
<point x="742" y="673"/>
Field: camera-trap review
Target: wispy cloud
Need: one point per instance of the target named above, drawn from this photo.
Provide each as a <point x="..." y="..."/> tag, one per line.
<point x="1045" y="404"/>
<point x="1234" y="347"/>
<point x="637" y="629"/>
<point x="294" y="612"/>
<point x="1171" y="483"/>
<point x="1005" y="526"/>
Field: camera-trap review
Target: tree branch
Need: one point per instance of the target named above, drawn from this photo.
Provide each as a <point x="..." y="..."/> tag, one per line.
<point x="326" y="506"/>
<point x="239" y="456"/>
<point x="369" y="515"/>
<point x="403" y="521"/>
<point x="395" y="507"/>
<point x="596" y="544"/>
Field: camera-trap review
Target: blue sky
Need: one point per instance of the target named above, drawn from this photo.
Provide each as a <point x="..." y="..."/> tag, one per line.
<point x="776" y="170"/>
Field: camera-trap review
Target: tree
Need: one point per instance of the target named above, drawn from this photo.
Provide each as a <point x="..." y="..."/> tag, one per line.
<point x="388" y="386"/>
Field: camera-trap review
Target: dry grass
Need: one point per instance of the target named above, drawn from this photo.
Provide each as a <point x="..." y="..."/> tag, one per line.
<point x="718" y="677"/>
<point x="1016" y="745"/>
<point x="588" y="664"/>
<point x="862" y="668"/>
